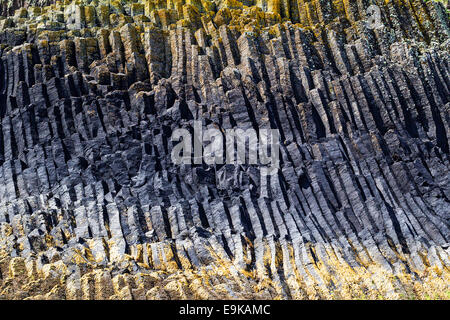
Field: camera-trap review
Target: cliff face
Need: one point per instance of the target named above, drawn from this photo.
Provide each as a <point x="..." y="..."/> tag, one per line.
<point x="93" y="206"/>
<point x="8" y="7"/>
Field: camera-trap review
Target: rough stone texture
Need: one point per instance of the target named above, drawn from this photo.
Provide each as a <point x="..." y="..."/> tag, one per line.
<point x="92" y="206"/>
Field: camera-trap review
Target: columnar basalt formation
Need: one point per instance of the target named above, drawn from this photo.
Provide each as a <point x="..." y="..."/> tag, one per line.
<point x="93" y="207"/>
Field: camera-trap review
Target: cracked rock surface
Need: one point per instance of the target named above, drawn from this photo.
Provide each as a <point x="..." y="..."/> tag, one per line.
<point x="93" y="207"/>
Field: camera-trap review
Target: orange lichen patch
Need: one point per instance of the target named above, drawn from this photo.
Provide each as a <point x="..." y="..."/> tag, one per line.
<point x="338" y="280"/>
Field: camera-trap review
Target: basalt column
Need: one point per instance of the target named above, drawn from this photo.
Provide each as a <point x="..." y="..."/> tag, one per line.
<point x="93" y="206"/>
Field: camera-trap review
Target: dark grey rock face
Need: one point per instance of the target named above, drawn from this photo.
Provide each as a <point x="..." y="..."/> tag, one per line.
<point x="87" y="114"/>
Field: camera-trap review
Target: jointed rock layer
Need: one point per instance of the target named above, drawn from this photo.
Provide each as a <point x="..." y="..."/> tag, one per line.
<point x="93" y="207"/>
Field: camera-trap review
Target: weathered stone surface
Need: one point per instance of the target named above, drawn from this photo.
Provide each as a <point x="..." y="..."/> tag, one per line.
<point x="92" y="205"/>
